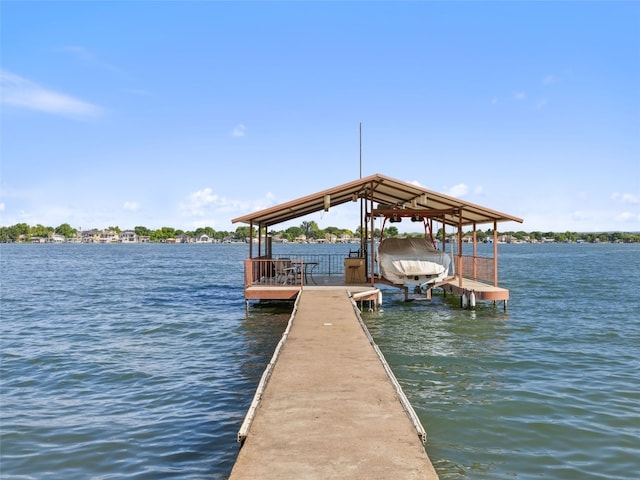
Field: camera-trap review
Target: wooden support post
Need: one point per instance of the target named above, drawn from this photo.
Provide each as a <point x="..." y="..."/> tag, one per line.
<point x="459" y="266"/>
<point x="495" y="254"/>
<point x="251" y="239"/>
<point x="373" y="240"/>
<point x="475" y="253"/>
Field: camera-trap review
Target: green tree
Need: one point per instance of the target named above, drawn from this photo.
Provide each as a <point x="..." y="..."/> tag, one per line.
<point x="244" y="232"/>
<point x="332" y="231"/>
<point x="208" y="231"/>
<point x="66" y="230"/>
<point x="292" y="233"/>
<point x="391" y="232"/>
<point x="162" y="234"/>
<point x="41" y="231"/>
<point x="520" y="235"/>
<point x="221" y="235"/>
<point x="142" y="231"/>
<point x="14" y="232"/>
<point x="309" y="229"/>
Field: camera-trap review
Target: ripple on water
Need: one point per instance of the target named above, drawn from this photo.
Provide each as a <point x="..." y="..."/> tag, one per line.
<point x="141" y="361"/>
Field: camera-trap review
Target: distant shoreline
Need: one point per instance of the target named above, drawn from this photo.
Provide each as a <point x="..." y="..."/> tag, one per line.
<point x="307" y="232"/>
<point x="241" y="242"/>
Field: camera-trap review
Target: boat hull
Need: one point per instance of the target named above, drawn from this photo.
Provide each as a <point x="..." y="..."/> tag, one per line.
<point x="413" y="262"/>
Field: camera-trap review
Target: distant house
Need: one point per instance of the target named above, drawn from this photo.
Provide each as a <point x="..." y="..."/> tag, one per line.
<point x="57" y="238"/>
<point x="90" y="236"/>
<point x="184" y="238"/>
<point x="109" y="236"/>
<point x="128" y="236"/>
<point x="331" y="238"/>
<point x="203" y="238"/>
<point x="506" y="239"/>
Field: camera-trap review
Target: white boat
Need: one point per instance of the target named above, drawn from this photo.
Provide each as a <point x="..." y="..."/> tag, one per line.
<point x="413" y="262"/>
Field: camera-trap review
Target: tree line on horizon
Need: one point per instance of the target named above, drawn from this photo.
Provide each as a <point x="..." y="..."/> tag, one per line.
<point x="310" y="230"/>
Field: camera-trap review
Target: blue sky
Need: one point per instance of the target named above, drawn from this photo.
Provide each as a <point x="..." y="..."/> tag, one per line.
<point x="189" y="114"/>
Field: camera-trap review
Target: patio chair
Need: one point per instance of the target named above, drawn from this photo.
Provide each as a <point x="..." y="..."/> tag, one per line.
<point x="285" y="271"/>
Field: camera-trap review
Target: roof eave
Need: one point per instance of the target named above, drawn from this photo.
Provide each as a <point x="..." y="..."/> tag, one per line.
<point x="385" y="190"/>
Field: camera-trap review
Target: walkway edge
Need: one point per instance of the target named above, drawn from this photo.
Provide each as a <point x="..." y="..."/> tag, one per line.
<point x="264" y="380"/>
<point x="408" y="408"/>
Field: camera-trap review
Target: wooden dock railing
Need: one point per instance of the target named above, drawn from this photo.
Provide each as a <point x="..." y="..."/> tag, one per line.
<point x="284" y="269"/>
<point x="480" y="269"/>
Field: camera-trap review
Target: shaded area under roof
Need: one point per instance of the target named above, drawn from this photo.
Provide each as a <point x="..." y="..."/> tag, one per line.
<point x="388" y="193"/>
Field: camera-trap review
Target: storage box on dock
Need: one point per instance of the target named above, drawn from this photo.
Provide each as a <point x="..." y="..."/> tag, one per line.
<point x="354" y="271"/>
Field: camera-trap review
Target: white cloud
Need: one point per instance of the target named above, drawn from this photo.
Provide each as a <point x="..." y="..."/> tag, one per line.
<point x="205" y="201"/>
<point x="626" y="198"/>
<point x="23" y="93"/>
<point x="200" y="202"/>
<point x="132" y="206"/>
<point x="459" y="190"/>
<point x="478" y="190"/>
<point x="239" y="130"/>
<point x="549" y="79"/>
<point x="627" y="217"/>
<point x="204" y="208"/>
<point x="2" y="207"/>
<point x="519" y="96"/>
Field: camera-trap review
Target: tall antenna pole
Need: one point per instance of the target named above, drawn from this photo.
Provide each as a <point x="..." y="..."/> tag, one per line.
<point x="363" y="233"/>
<point x="360" y="149"/>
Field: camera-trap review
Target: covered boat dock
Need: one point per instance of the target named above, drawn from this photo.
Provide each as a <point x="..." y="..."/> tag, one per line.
<point x="270" y="277"/>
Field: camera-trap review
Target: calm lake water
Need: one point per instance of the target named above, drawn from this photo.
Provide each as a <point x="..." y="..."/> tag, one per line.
<point x="140" y="361"/>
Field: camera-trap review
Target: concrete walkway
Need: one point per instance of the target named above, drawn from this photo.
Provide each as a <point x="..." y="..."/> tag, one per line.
<point x="329" y="410"/>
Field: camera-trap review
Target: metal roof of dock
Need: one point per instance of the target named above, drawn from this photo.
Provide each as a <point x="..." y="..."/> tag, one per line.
<point x="389" y="193"/>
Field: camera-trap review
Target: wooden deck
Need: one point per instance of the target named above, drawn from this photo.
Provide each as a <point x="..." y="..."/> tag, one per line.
<point x="265" y="280"/>
<point x="482" y="291"/>
<point x="290" y="291"/>
<point x="330" y="407"/>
